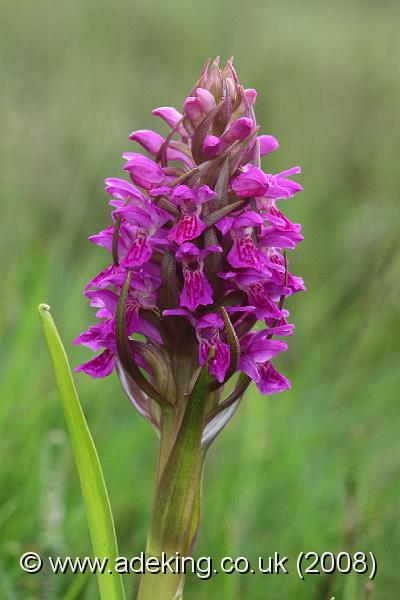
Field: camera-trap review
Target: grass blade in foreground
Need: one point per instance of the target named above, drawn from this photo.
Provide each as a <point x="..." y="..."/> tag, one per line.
<point x="98" y="510"/>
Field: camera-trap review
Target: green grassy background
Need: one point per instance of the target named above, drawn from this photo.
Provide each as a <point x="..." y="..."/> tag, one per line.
<point x="313" y="469"/>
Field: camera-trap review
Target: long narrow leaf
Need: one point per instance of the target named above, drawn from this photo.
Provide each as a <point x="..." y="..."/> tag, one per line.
<point x="98" y="509"/>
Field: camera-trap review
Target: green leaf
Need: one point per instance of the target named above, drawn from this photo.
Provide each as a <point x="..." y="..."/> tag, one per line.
<point x="117" y="226"/>
<point x="98" y="509"/>
<point x="217" y="215"/>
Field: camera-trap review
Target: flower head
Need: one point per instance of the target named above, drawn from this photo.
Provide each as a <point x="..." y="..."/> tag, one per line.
<point x="198" y="227"/>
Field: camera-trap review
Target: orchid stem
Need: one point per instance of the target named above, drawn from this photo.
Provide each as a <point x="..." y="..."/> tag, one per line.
<point x="177" y="500"/>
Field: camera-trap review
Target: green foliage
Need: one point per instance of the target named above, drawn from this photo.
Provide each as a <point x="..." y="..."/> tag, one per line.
<point x="315" y="468"/>
<point x="175" y="513"/>
<point x="97" y="504"/>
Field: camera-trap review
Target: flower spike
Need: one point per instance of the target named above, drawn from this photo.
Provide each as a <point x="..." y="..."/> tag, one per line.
<point x="199" y="233"/>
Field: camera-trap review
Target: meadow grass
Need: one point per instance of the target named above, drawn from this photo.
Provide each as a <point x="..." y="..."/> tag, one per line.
<point x="313" y="469"/>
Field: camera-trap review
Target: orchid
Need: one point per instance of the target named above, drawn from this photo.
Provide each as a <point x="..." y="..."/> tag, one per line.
<point x="191" y="301"/>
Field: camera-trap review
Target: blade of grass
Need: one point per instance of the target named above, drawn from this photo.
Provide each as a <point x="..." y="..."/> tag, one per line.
<point x="98" y="509"/>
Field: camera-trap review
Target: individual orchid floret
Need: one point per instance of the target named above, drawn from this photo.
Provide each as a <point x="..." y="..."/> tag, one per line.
<point x="240" y="129"/>
<point x="148" y="139"/>
<point x="212" y="146"/>
<point x="251" y="95"/>
<point x="123" y="190"/>
<point x="244" y="252"/>
<point x="102" y="335"/>
<point x="267" y="144"/>
<point x="189" y="225"/>
<point x="208" y="330"/>
<point x="282" y="187"/>
<point x="255" y="361"/>
<point x="196" y="289"/>
<point x="208" y="333"/>
<point x="100" y="366"/>
<point x="172" y="117"/>
<point x="252" y="183"/>
<point x="143" y="231"/>
<point x="193" y="110"/>
<point x="256" y="286"/>
<point x="206" y="100"/>
<point x="153" y="143"/>
<point x="143" y="171"/>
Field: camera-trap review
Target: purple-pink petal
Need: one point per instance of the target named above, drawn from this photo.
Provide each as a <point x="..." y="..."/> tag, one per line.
<point x="238" y="130"/>
<point x="270" y="381"/>
<point x="172" y="117"/>
<point x="212" y="146"/>
<point x="196" y="290"/>
<point x="150" y="140"/>
<point x="267" y="144"/>
<point x="251" y="183"/>
<point x="188" y="227"/>
<point x="144" y="172"/>
<point x="100" y="366"/>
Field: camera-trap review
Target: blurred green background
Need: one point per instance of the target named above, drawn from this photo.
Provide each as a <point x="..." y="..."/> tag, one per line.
<point x="313" y="469"/>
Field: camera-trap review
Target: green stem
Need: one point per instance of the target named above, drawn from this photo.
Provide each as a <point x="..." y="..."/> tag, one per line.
<point x="176" y="509"/>
<point x="169" y="586"/>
